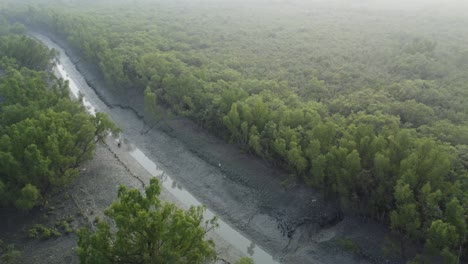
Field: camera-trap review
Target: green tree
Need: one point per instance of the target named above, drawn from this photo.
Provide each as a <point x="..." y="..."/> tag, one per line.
<point x="441" y="239"/>
<point x="27" y="52"/>
<point x="254" y="141"/>
<point x="45" y="136"/>
<point x="358" y="110"/>
<point x="315" y="89"/>
<point x="29" y="197"/>
<point x="148" y="231"/>
<point x="405" y="219"/>
<point x="232" y="121"/>
<point x="455" y="215"/>
<point x="150" y="101"/>
<point x="296" y="158"/>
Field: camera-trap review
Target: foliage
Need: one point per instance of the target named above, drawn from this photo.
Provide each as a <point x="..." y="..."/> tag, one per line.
<point x="44" y="135"/>
<point x="245" y="260"/>
<point x="9" y="254"/>
<point x="39" y="231"/>
<point x="349" y="245"/>
<point x="27" y="52"/>
<point x="148" y="231"/>
<point x="29" y="196"/>
<point x="374" y="118"/>
<point x="64" y="226"/>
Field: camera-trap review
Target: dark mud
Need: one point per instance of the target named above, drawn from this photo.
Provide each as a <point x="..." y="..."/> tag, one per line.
<point x="90" y="195"/>
<point x="293" y="224"/>
<point x="94" y="190"/>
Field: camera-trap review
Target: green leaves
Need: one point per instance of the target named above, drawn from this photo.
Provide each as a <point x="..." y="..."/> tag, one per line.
<point x="245" y="260"/>
<point x="29" y="197"/>
<point x="27" y="52"/>
<point x="45" y="134"/>
<point x="441" y="235"/>
<point x="148" y="231"/>
<point x="362" y="128"/>
<point x="232" y="121"/>
<point x="406" y="220"/>
<point x="455" y="214"/>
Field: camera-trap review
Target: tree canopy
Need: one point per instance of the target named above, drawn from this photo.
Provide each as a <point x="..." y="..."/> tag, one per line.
<point x="44" y="134"/>
<point x="148" y="231"/>
<point x="374" y="118"/>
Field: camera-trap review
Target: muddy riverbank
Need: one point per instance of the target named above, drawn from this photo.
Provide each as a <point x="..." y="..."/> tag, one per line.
<point x="293" y="224"/>
<point x="94" y="190"/>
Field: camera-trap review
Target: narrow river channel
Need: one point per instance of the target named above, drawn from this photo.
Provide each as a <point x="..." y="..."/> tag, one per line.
<point x="78" y="86"/>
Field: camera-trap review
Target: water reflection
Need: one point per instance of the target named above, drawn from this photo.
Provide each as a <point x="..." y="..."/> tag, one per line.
<point x="67" y="71"/>
<point x="75" y="90"/>
<point x="224" y="230"/>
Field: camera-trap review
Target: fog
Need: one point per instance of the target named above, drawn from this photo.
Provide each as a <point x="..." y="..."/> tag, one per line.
<point x="296" y="119"/>
<point x="413" y="5"/>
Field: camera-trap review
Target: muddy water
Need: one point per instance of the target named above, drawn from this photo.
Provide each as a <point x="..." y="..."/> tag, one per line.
<point x="224" y="230"/>
<point x="293" y="223"/>
<point x="78" y="87"/>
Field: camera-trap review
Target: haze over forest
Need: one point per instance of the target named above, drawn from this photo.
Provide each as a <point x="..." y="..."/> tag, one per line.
<point x="342" y="125"/>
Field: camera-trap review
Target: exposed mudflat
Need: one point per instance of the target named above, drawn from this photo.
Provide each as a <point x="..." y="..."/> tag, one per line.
<point x="293" y="224"/>
<point x="94" y="190"/>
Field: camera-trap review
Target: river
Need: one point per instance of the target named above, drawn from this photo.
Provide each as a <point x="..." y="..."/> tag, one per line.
<point x="93" y="104"/>
<point x="258" y="215"/>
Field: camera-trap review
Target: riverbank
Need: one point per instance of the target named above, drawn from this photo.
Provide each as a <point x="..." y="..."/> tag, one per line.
<point x="94" y="190"/>
<point x="295" y="222"/>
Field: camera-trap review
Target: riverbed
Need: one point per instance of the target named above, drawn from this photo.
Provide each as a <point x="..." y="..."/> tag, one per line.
<point x="258" y="215"/>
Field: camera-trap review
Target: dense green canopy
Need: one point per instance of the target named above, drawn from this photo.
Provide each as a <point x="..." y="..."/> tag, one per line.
<point x="44" y="134"/>
<point x="353" y="103"/>
<point x="148" y="231"/>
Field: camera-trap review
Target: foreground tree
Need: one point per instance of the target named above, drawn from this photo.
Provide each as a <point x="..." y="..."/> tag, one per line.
<point x="148" y="231"/>
<point x="362" y="130"/>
